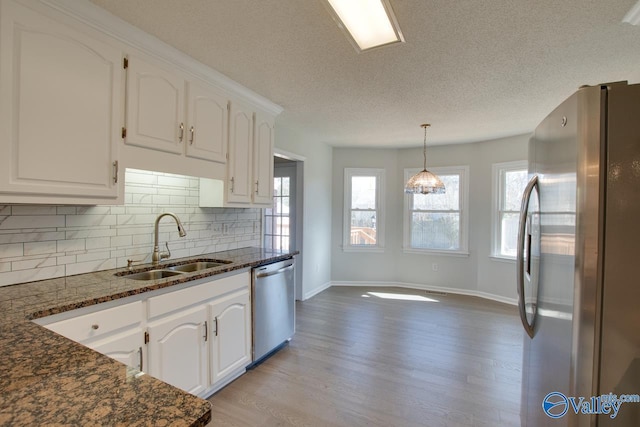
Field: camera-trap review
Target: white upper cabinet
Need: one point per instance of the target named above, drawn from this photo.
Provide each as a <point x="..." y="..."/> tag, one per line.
<point x="85" y="96"/>
<point x="239" y="183"/>
<point x="60" y="110"/>
<point x="159" y="118"/>
<point x="207" y="121"/>
<point x="250" y="166"/>
<point x="155" y="107"/>
<point x="263" y="160"/>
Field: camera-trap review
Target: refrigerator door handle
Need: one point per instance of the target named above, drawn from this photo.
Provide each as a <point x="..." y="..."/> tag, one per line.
<point x="522" y="238"/>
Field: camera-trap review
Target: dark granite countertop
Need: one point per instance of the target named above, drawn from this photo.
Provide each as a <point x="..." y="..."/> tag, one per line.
<point x="47" y="379"/>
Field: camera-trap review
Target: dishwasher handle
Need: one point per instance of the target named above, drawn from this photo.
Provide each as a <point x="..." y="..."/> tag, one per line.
<point x="272" y="273"/>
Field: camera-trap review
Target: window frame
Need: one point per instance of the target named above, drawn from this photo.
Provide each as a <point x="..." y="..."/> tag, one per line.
<point x="498" y="172"/>
<point x="290" y="216"/>
<point x="379" y="174"/>
<point x="463" y="172"/>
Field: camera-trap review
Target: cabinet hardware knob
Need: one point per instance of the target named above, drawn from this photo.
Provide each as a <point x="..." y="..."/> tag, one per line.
<point x="192" y="130"/>
<point x="181" y="135"/>
<point x="94" y="327"/>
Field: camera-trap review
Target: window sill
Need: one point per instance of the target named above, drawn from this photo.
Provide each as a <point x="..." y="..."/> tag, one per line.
<point x="459" y="254"/>
<point x="498" y="258"/>
<point x="376" y="249"/>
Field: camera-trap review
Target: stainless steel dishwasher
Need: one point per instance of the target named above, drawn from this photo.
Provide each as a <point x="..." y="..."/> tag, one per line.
<point x="273" y="306"/>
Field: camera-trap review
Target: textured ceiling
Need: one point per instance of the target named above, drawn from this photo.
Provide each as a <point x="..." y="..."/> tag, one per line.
<point x="476" y="70"/>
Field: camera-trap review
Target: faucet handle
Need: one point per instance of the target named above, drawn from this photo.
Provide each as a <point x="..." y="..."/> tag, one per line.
<point x="167" y="254"/>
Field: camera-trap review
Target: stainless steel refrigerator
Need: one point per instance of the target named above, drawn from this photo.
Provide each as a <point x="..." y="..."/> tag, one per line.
<point x="578" y="262"/>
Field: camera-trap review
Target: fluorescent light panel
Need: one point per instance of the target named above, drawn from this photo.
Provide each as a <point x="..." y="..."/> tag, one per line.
<point x="367" y="23"/>
<point x="633" y="16"/>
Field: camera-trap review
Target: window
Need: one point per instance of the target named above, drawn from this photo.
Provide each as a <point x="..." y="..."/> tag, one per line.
<point x="363" y="210"/>
<point x="277" y="218"/>
<point x="509" y="181"/>
<point x="438" y="222"/>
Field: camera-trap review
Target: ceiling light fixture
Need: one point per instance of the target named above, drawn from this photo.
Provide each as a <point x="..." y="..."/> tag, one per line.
<point x="366" y="23"/>
<point x="633" y="16"/>
<point x="424" y="182"/>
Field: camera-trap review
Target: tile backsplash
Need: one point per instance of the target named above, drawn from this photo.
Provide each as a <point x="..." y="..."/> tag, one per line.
<point x="42" y="242"/>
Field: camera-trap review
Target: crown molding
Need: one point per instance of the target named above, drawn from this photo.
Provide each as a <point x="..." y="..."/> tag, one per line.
<point x="130" y="35"/>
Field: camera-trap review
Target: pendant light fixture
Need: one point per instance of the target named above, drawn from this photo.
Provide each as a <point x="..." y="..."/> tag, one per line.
<point x="424" y="182"/>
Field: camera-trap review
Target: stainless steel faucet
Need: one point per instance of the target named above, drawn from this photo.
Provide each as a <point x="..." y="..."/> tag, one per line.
<point x="157" y="255"/>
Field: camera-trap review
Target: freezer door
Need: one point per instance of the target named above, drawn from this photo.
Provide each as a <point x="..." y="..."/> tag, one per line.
<point x="620" y="348"/>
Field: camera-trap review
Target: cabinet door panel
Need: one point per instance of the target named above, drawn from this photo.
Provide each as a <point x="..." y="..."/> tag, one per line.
<point x="208" y="122"/>
<point x="263" y="161"/>
<point x="178" y="351"/>
<point x="125" y="348"/>
<point x="61" y="107"/>
<point x="231" y="341"/>
<point x="240" y="153"/>
<point x="155" y="107"/>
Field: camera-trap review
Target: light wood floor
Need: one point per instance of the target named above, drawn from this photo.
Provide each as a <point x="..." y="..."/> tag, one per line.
<point x="358" y="359"/>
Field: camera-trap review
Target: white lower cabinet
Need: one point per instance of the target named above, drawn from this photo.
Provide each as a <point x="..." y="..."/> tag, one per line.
<point x="178" y="349"/>
<point x="231" y="335"/>
<point x="127" y="348"/>
<point x="200" y="336"/>
<point x="196" y="338"/>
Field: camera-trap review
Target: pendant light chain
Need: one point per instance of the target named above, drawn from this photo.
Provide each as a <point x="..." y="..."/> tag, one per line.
<point x="424" y="149"/>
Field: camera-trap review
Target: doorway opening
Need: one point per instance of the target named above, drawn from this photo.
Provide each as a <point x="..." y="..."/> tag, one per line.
<point x="282" y="223"/>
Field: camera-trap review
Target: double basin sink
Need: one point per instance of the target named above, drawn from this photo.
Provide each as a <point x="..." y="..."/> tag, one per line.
<point x="171" y="270"/>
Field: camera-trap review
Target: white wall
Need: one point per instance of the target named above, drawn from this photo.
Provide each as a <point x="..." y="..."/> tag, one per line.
<point x="316" y="244"/>
<point x="42" y="242"/>
<point x="475" y="274"/>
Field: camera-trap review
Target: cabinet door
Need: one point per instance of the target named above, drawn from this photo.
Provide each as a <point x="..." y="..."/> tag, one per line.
<point x="155" y="107"/>
<point x="240" y="153"/>
<point x="263" y="160"/>
<point x="208" y="123"/>
<point x="60" y="107"/>
<point x="178" y="350"/>
<point x="231" y="335"/>
<point x="125" y="348"/>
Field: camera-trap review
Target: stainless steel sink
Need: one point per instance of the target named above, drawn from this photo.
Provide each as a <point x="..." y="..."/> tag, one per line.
<point x="153" y="275"/>
<point x="196" y="266"/>
<point x="170" y="270"/>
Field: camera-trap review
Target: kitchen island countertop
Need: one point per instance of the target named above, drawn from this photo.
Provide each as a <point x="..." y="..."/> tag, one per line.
<point x="48" y="379"/>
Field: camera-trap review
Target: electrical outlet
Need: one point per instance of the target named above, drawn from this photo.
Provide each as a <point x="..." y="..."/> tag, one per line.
<point x="225" y="229"/>
<point x="434" y="266"/>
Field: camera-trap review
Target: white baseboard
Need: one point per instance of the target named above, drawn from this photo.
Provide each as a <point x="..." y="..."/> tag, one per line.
<point x="316" y="291"/>
<point x="485" y="295"/>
